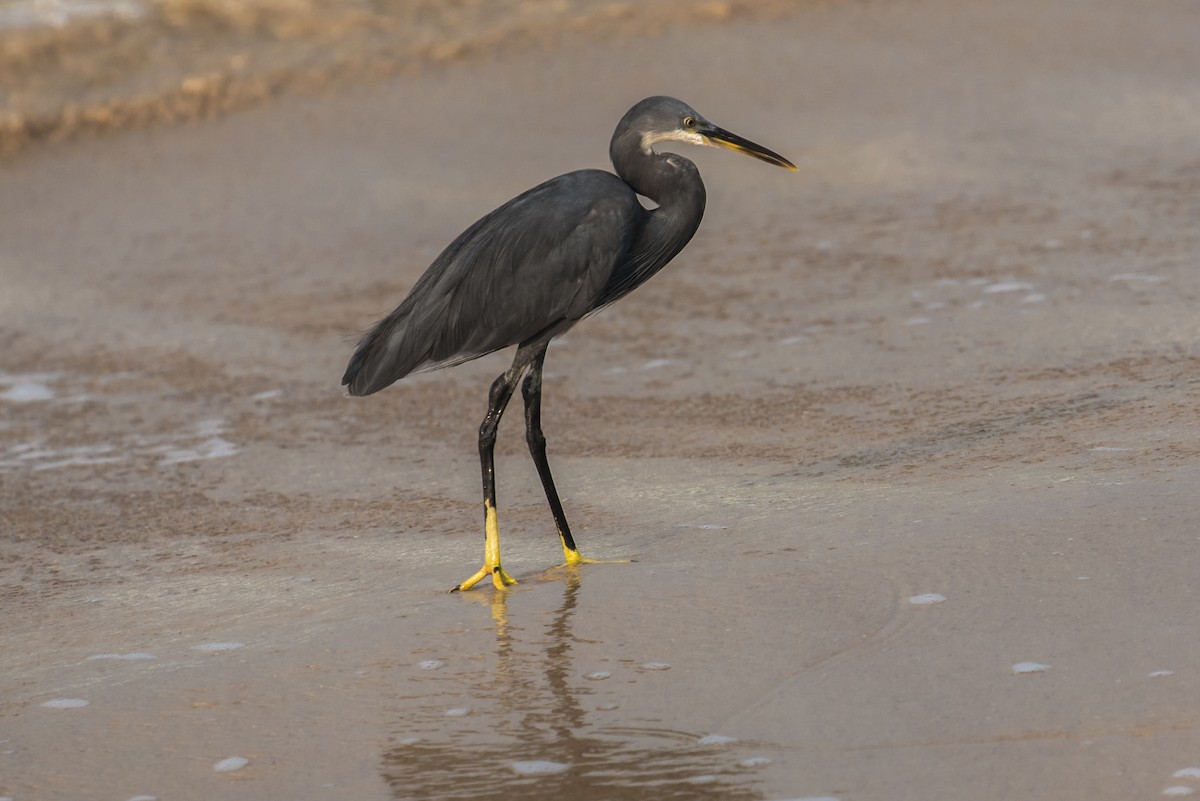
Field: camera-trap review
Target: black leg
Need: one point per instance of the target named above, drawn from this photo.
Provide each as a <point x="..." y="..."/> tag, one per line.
<point x="531" y="390"/>
<point x="498" y="398"/>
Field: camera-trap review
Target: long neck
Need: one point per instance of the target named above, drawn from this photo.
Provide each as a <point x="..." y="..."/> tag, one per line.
<point x="671" y="181"/>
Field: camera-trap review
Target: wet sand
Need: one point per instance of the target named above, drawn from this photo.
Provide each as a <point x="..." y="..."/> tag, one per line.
<point x="903" y="447"/>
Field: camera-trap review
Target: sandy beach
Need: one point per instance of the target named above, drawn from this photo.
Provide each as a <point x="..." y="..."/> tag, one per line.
<point x="903" y="449"/>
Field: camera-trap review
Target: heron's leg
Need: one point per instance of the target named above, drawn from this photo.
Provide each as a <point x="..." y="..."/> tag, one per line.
<point x="501" y="392"/>
<point x="531" y="390"/>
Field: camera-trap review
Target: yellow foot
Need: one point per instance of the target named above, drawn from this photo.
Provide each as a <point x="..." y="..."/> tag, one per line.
<point x="499" y="577"/>
<point x="574" y="557"/>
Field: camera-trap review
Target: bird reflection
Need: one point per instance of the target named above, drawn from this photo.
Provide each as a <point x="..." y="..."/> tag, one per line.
<point x="536" y="732"/>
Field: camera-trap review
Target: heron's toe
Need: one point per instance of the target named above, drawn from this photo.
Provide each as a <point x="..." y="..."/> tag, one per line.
<point x="574" y="557"/>
<point x="501" y="578"/>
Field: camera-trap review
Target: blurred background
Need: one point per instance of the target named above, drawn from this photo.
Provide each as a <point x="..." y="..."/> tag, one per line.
<point x="71" y="66"/>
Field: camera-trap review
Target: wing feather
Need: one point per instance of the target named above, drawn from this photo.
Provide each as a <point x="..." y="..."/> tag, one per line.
<point x="538" y="262"/>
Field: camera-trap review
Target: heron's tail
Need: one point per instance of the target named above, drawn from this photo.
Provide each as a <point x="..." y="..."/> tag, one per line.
<point x="363" y="375"/>
<point x="396" y="346"/>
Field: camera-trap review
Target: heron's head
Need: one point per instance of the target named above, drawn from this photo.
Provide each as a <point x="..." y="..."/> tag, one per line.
<point x="665" y="119"/>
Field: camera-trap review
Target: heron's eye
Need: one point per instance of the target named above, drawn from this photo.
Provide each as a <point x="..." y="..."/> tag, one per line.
<point x="688" y="122"/>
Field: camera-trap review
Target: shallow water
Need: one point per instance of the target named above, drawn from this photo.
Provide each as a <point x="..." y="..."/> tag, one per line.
<point x="28" y="443"/>
<point x="538" y="727"/>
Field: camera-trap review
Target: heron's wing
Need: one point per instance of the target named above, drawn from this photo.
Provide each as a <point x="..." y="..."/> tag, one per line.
<point x="538" y="262"/>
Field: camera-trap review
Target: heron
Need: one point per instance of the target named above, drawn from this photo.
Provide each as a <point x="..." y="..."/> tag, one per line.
<point x="537" y="265"/>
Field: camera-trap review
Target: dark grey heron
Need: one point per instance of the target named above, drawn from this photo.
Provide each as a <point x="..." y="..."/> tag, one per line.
<point x="535" y="267"/>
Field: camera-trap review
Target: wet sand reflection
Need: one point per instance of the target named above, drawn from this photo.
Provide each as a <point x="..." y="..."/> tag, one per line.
<point x="535" y="731"/>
